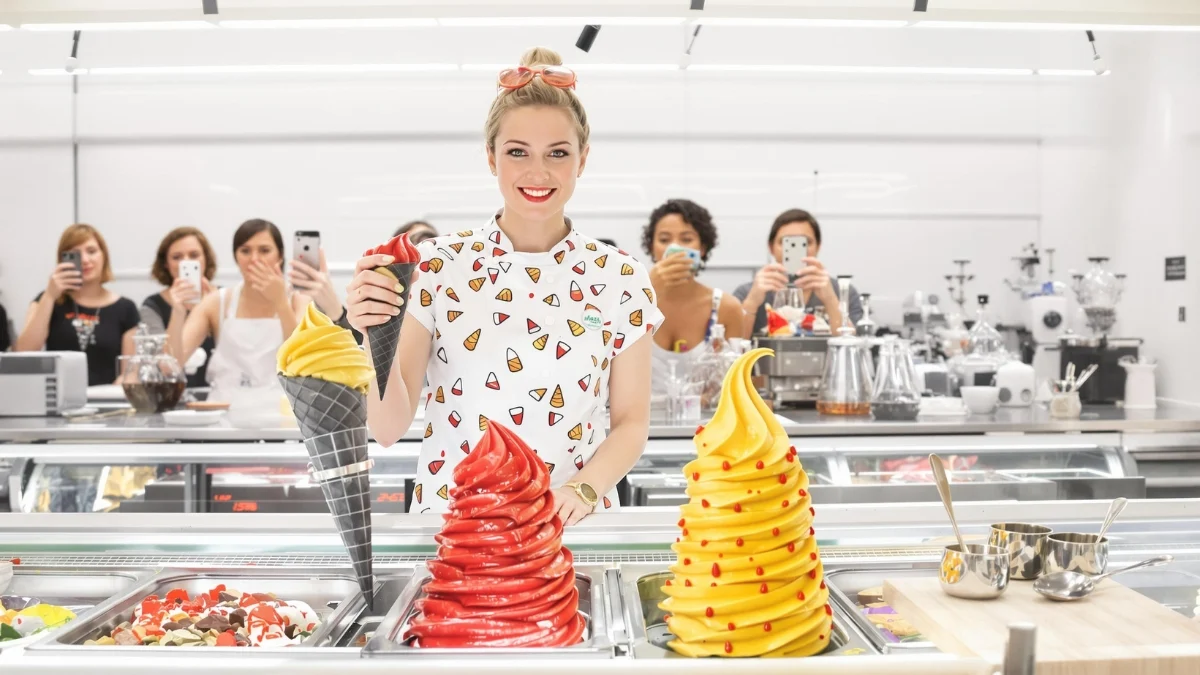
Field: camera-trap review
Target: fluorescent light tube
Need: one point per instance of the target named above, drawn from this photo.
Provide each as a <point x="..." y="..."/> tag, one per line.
<point x="1100" y="27"/>
<point x="794" y="23"/>
<point x="258" y="69"/>
<point x="4" y="27"/>
<point x="1068" y="72"/>
<point x="119" y="26"/>
<point x="581" y="67"/>
<point x="859" y="70"/>
<point x="331" y="23"/>
<point x="475" y="22"/>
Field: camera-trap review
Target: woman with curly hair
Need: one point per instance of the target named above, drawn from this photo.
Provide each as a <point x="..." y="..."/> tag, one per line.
<point x="690" y="308"/>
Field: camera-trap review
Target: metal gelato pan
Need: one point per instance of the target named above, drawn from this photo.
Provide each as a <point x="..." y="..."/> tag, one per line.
<point x="648" y="634"/>
<point x="77" y="590"/>
<point x="328" y="595"/>
<point x="859" y="594"/>
<point x="388" y="640"/>
<point x="358" y="624"/>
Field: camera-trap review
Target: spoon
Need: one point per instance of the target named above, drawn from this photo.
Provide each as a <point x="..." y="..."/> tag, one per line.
<point x="1086" y="374"/>
<point x="1066" y="585"/>
<point x="1114" y="510"/>
<point x="943" y="486"/>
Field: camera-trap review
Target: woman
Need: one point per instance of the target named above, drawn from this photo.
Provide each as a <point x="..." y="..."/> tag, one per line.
<point x="77" y="313"/>
<point x="317" y="284"/>
<point x="526" y="320"/>
<point x="418" y="231"/>
<point x="817" y="287"/>
<point x="173" y="304"/>
<point x="690" y="309"/>
<point x="249" y="321"/>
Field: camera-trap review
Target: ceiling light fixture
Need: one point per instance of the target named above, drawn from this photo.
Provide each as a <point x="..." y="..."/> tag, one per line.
<point x="1070" y="72"/>
<point x="799" y="23"/>
<point x="501" y="21"/>
<point x="587" y="37"/>
<point x="119" y="26"/>
<point x="859" y="70"/>
<point x="4" y="27"/>
<point x="305" y="69"/>
<point x="697" y="5"/>
<point x="999" y="25"/>
<point x="209" y="6"/>
<point x="692" y="42"/>
<point x="920" y="5"/>
<point x="73" y="59"/>
<point x="329" y="23"/>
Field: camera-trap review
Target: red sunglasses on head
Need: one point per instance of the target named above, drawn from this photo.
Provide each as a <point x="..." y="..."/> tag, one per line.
<point x="555" y="76"/>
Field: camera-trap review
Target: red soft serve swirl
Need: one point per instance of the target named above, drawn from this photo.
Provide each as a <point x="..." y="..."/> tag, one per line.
<point x="400" y="248"/>
<point x="501" y="577"/>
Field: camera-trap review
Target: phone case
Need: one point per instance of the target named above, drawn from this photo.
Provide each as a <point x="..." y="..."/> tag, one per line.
<point x="795" y="250"/>
<point x="308" y="249"/>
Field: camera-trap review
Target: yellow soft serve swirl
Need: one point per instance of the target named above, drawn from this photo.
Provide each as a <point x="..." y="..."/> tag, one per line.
<point x="748" y="576"/>
<point x="320" y="349"/>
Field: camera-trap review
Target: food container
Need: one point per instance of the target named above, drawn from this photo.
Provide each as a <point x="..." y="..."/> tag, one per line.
<point x="859" y="594"/>
<point x="77" y="590"/>
<point x="328" y="595"/>
<point x="358" y="624"/>
<point x="388" y="641"/>
<point x="1026" y="546"/>
<point x="979" y="573"/>
<point x="1078" y="552"/>
<point x="647" y="632"/>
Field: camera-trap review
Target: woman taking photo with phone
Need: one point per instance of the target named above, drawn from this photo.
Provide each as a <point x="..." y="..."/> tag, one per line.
<point x="817" y="287"/>
<point x="525" y="320"/>
<point x="309" y="274"/>
<point x="77" y="313"/>
<point x="679" y="238"/>
<point x="186" y="249"/>
<point x="247" y="322"/>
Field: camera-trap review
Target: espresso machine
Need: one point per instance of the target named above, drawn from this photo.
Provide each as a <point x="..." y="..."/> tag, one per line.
<point x="793" y="377"/>
<point x="1098" y="292"/>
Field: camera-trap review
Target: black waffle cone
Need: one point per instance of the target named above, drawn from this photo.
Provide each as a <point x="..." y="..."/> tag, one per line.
<point x="323" y="407"/>
<point x="349" y="501"/>
<point x="385" y="338"/>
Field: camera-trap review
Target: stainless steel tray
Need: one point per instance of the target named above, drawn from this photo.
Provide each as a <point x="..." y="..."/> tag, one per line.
<point x="598" y="643"/>
<point x="646" y="627"/>
<point x="357" y="623"/>
<point x="77" y="590"/>
<point x="844" y="587"/>
<point x="328" y="595"/>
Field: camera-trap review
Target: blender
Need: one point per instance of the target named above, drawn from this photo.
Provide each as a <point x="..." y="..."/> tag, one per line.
<point x="846" y="384"/>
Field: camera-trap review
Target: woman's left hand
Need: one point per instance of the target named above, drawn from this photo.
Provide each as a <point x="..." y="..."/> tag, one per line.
<point x="317" y="285"/>
<point x="815" y="279"/>
<point x="268" y="280"/>
<point x="571" y="509"/>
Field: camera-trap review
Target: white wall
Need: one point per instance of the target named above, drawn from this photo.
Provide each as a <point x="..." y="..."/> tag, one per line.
<point x="913" y="172"/>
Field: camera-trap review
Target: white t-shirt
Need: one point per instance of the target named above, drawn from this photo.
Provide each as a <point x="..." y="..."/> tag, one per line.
<point x="526" y="339"/>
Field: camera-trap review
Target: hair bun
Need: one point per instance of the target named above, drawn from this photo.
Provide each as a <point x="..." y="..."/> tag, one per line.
<point x="541" y="56"/>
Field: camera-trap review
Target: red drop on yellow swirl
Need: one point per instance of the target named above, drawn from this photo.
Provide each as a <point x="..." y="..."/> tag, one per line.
<point x="501" y="577"/>
<point x="748" y="576"/>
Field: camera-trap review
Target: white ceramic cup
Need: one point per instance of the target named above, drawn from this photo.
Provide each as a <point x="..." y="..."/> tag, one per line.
<point x="981" y="400"/>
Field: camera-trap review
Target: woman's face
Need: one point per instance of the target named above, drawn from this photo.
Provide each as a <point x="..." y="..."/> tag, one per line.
<point x="419" y="233"/>
<point x="187" y="248"/>
<point x="92" y="258"/>
<point x="673" y="229"/>
<point x="797" y="229"/>
<point x="537" y="160"/>
<point x="259" y="248"/>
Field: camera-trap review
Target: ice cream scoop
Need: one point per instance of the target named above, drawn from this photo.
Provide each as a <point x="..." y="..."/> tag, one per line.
<point x="748" y="575"/>
<point x="322" y="350"/>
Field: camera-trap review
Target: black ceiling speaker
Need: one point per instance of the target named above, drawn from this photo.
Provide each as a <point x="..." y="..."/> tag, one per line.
<point x="920" y="5"/>
<point x="587" y="37"/>
<point x="210" y="6"/>
<point x="697" y="5"/>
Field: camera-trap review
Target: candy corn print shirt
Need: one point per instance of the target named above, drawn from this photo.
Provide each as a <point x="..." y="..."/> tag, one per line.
<point x="527" y="339"/>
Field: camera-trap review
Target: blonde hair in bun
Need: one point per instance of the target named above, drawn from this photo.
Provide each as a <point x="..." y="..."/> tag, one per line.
<point x="537" y="93"/>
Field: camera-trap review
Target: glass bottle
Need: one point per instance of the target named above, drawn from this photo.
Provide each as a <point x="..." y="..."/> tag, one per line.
<point x="895" y="395"/>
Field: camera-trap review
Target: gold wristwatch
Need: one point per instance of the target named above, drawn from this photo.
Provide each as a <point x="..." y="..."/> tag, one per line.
<point x="586" y="492"/>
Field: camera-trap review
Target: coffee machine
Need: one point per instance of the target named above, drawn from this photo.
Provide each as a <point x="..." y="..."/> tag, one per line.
<point x="793" y="377"/>
<point x="1098" y="292"/>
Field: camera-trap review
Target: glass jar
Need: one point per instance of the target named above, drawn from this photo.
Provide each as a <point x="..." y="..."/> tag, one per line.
<point x="895" y="395"/>
<point x="152" y="379"/>
<point x="1098" y="292"/>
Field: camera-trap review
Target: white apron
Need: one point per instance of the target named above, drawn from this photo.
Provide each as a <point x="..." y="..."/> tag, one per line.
<point x="243" y="366"/>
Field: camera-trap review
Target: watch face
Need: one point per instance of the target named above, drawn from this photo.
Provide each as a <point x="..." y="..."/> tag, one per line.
<point x="589" y="493"/>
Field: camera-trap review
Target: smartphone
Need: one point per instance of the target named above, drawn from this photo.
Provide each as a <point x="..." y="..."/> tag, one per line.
<point x="795" y="250"/>
<point x="307" y="248"/>
<point x="73" y="257"/>
<point x="190" y="270"/>
<point x="691" y="253"/>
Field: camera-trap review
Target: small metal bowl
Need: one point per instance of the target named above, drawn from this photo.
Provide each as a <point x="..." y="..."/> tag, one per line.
<point x="1026" y="543"/>
<point x="1085" y="553"/>
<point x="981" y="573"/>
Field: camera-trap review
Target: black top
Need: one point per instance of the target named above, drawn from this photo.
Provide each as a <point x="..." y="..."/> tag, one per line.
<point x="108" y="326"/>
<point x="160" y="306"/>
<point x="5" y="334"/>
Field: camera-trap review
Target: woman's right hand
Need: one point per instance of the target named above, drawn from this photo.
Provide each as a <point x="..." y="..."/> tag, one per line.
<point x="672" y="270"/>
<point x="772" y="278"/>
<point x="64" y="279"/>
<point x="183" y="295"/>
<point x="372" y="299"/>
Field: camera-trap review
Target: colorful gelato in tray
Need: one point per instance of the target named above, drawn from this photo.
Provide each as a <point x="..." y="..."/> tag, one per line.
<point x="21" y="617"/>
<point x="221" y="617"/>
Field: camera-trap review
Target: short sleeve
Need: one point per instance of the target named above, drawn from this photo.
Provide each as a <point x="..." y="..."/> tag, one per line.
<point x="742" y="292"/>
<point x="421" y="295"/>
<point x="154" y="321"/>
<point x="130" y="317"/>
<point x="640" y="316"/>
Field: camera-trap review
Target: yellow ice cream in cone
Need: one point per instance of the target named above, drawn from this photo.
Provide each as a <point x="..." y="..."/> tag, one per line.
<point x="320" y="349"/>
<point x="748" y="579"/>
